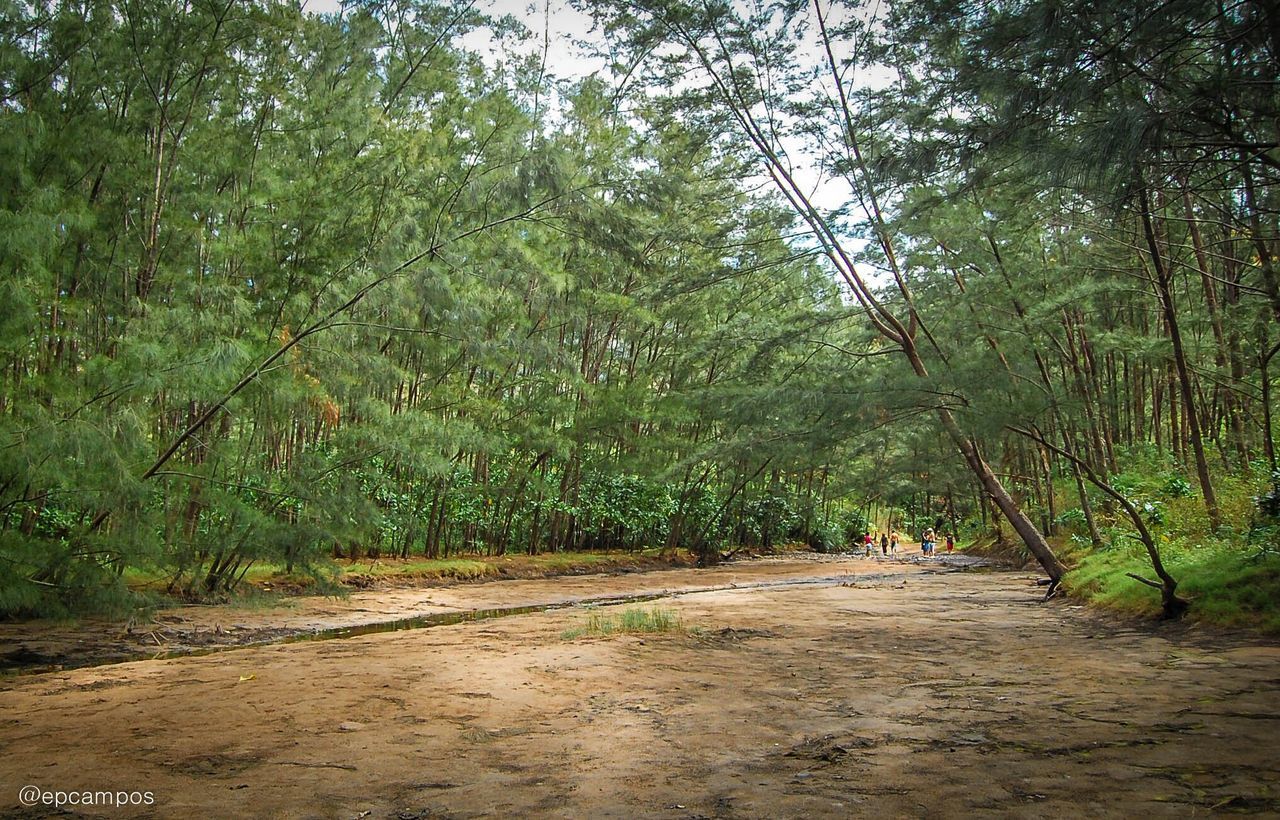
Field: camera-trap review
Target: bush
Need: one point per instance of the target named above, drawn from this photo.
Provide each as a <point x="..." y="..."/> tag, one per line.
<point x="1153" y="511"/>
<point x="853" y="527"/>
<point x="1176" y="487"/>
<point x="827" y="537"/>
<point x="1268" y="504"/>
<point x="770" y="518"/>
<point x="1071" y="519"/>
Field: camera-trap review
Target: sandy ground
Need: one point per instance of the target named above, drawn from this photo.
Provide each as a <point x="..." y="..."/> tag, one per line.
<point x="881" y="695"/>
<point x="49" y="645"/>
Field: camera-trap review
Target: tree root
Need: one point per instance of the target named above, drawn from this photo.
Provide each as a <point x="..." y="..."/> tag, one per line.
<point x="1172" y="606"/>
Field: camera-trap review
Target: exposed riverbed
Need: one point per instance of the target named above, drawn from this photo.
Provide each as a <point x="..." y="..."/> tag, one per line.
<point x="829" y="688"/>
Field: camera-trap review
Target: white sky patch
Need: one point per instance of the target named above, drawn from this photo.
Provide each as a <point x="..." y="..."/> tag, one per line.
<point x="555" y="25"/>
<point x="566" y="36"/>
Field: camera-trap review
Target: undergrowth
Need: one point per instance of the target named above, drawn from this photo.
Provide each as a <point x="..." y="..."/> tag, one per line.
<point x="1231" y="577"/>
<point x="1226" y="585"/>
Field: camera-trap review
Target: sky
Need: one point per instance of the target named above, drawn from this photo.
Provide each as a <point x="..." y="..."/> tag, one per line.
<point x="562" y="24"/>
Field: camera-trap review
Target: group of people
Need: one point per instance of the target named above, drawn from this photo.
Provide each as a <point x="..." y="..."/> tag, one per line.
<point x="929" y="542"/>
<point x="889" y="543"/>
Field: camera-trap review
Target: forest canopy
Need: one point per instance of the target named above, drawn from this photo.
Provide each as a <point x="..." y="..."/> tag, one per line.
<point x="282" y="288"/>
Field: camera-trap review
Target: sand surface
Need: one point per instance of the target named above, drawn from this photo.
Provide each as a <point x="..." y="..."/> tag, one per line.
<point x="874" y="689"/>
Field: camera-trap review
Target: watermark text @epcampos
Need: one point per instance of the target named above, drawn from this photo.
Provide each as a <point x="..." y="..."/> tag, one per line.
<point x="37" y="796"/>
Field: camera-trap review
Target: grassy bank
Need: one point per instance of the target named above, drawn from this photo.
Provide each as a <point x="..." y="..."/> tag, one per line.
<point x="363" y="574"/>
<point x="1231" y="577"/>
<point x="1227" y="585"/>
<point x="481" y="567"/>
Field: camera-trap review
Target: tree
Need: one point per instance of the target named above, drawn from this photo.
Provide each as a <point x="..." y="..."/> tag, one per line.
<point x="752" y="72"/>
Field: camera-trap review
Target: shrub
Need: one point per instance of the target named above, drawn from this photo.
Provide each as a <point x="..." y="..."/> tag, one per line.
<point x="826" y="537"/>
<point x="1268" y="503"/>
<point x="1176" y="487"/>
<point x="1071" y="519"/>
<point x="855" y="524"/>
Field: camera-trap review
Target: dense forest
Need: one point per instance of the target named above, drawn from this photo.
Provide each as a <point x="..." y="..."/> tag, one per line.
<point x="281" y="288"/>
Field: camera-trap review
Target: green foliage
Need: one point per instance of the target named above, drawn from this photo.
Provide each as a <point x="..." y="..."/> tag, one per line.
<point x="336" y="288"/>
<point x="1072" y="519"/>
<point x="770" y="518"/>
<point x="1226" y="584"/>
<point x="1176" y="487"/>
<point x="1231" y="577"/>
<point x="828" y="538"/>
<point x="853" y="527"/>
<point x="1268" y="503"/>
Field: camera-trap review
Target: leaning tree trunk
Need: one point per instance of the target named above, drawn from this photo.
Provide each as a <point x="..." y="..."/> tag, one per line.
<point x="899" y="331"/>
<point x="1017" y="519"/>
<point x="1172" y="605"/>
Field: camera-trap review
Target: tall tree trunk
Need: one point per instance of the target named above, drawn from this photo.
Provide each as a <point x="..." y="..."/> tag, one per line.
<point x="1221" y="351"/>
<point x="1017" y="519"/>
<point x="900" y="332"/>
<point x="1164" y="288"/>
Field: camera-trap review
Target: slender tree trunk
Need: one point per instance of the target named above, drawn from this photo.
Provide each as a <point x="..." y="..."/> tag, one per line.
<point x="1165" y="292"/>
<point x="1221" y="354"/>
<point x="1173" y="605"/>
<point x="1021" y="524"/>
<point x="901" y="332"/>
<point x="1268" y="439"/>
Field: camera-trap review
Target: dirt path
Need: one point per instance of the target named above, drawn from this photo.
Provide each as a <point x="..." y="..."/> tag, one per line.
<point x="922" y="694"/>
<point x="49" y="646"/>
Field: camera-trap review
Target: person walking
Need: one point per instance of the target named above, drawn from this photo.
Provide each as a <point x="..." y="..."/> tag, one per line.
<point x="927" y="541"/>
<point x="951" y="542"/>
<point x="893" y="545"/>
<point x="884" y="543"/>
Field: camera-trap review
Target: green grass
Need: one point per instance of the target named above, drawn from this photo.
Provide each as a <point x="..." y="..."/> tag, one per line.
<point x="1231" y="577"/>
<point x="141" y="577"/>
<point x="475" y="567"/>
<point x="462" y="568"/>
<point x="630" y="621"/>
<point x="556" y="561"/>
<point x="1228" y="583"/>
<point x="465" y="569"/>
